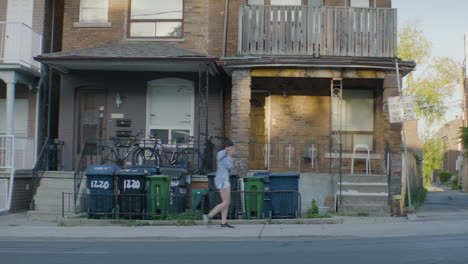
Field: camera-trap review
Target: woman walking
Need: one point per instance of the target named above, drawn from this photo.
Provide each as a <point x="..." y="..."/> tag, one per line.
<point x="224" y="162"/>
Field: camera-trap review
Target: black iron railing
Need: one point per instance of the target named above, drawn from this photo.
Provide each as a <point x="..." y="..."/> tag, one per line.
<point x="49" y="159"/>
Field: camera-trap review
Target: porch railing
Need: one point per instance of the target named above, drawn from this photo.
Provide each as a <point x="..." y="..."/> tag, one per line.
<point x="317" y="31"/>
<point x="195" y="159"/>
<point x="7" y="147"/>
<point x="19" y="43"/>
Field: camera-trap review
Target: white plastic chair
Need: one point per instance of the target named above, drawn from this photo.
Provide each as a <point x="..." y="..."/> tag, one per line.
<point x="361" y="147"/>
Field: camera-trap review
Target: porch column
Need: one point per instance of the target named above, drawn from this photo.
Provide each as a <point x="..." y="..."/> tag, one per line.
<point x="10" y="104"/>
<point x="392" y="132"/>
<point x="240" y="119"/>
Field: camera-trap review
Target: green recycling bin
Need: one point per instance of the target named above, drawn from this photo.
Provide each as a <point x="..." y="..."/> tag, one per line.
<point x="253" y="197"/>
<point x="158" y="195"/>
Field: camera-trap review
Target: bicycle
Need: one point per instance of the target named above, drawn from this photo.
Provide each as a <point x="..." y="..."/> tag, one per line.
<point x="112" y="155"/>
<point x="174" y="156"/>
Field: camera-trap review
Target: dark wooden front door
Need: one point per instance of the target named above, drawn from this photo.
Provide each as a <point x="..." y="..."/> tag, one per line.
<point x="91" y="115"/>
<point x="258" y="138"/>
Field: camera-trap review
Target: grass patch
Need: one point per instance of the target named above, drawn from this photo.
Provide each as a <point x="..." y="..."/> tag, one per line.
<point x="135" y="223"/>
<point x="418" y="196"/>
<point x="362" y="214"/>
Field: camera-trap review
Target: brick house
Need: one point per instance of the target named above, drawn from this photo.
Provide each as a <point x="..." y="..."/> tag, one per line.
<point x="449" y="134"/>
<point x="296" y="84"/>
<point x="24" y="33"/>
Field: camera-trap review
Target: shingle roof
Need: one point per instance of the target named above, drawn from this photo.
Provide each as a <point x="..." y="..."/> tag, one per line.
<point x="128" y="50"/>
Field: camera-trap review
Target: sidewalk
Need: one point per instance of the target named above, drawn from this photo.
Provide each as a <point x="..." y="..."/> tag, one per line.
<point x="14" y="226"/>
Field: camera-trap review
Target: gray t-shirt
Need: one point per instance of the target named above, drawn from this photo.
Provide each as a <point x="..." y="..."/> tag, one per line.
<point x="224" y="164"/>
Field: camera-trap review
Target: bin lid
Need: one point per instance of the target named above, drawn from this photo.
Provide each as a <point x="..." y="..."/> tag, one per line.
<point x="101" y="169"/>
<point x="261" y="174"/>
<point x="293" y="174"/>
<point x="173" y="172"/>
<point x="157" y="177"/>
<point x="231" y="174"/>
<point x="253" y="179"/>
<point x="150" y="168"/>
<point x="132" y="172"/>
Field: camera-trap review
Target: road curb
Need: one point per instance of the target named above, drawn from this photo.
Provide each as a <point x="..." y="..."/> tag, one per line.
<point x="113" y="222"/>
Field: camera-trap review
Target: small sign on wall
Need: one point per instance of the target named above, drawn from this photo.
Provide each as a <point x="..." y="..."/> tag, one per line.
<point x="401" y="109"/>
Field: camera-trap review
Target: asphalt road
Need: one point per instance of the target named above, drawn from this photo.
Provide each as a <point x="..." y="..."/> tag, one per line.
<point x="426" y="250"/>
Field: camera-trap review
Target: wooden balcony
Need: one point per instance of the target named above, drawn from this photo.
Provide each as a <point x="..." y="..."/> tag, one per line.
<point x="19" y="43"/>
<point x="317" y="31"/>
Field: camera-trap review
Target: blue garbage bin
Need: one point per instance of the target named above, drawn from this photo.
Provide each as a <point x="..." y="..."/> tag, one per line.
<point x="284" y="204"/>
<point x="100" y="184"/>
<point x="132" y="193"/>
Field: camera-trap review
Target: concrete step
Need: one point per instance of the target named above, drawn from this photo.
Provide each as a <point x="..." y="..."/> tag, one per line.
<point x="364" y="178"/>
<point x="363" y="210"/>
<point x="364" y="187"/>
<point x="59" y="174"/>
<point x="364" y="198"/>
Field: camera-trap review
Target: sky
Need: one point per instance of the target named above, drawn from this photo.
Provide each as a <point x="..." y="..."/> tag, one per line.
<point x="444" y="26"/>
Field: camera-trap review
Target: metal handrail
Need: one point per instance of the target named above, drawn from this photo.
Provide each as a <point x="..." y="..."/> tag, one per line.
<point x="42" y="163"/>
<point x="79" y="171"/>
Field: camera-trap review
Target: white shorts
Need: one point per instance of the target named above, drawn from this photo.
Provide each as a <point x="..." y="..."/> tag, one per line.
<point x="223" y="185"/>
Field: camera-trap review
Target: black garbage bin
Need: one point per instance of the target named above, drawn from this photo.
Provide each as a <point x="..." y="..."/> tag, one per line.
<point x="177" y="190"/>
<point x="214" y="197"/>
<point x="132" y="193"/>
<point x="151" y="169"/>
<point x="100" y="184"/>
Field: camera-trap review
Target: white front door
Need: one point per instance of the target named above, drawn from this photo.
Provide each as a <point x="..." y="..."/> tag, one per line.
<point x="170" y="109"/>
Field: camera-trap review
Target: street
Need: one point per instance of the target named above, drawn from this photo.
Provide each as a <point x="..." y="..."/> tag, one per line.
<point x="420" y="249"/>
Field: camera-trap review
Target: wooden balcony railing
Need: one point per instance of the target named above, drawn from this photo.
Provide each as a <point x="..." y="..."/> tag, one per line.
<point x="19" y="43"/>
<point x="317" y="31"/>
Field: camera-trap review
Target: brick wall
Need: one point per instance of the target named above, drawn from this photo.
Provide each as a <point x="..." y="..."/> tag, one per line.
<point x="38" y="15"/>
<point x="22" y="194"/>
<point x="3" y="9"/>
<point x="240" y="120"/>
<point x="201" y="22"/>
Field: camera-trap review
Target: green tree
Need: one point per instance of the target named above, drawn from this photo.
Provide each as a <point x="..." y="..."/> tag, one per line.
<point x="436" y="79"/>
<point x="433" y="157"/>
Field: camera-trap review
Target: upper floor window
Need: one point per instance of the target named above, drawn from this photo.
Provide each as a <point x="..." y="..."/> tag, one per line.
<point x="286" y="2"/>
<point x="94" y="10"/>
<point x="360" y="3"/>
<point x="156" y="18"/>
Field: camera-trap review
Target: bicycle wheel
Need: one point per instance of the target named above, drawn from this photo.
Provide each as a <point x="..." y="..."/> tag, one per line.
<point x="146" y="156"/>
<point x="105" y="155"/>
<point x="188" y="158"/>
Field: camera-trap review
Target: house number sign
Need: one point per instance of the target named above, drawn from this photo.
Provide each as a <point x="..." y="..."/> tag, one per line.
<point x="100" y="185"/>
<point x="131" y="184"/>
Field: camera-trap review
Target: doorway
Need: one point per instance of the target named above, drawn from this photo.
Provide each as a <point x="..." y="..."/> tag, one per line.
<point x="91" y="115"/>
<point x="258" y="131"/>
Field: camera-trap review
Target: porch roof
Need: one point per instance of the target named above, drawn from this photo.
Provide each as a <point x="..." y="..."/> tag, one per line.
<point x="278" y="62"/>
<point x="128" y="56"/>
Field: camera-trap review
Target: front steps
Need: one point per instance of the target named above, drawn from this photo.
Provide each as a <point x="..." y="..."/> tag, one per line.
<point x="363" y="195"/>
<point x="48" y="198"/>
